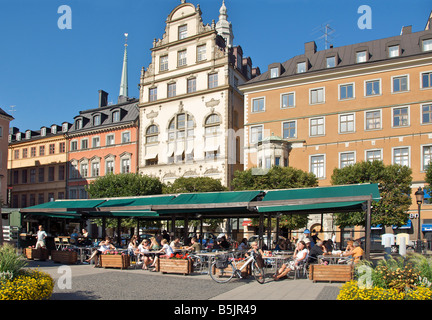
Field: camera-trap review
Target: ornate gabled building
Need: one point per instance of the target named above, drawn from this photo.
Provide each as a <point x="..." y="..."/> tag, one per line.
<point x="191" y="112"/>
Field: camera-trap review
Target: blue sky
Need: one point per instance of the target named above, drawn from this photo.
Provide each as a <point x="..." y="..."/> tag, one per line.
<point x="50" y="74"/>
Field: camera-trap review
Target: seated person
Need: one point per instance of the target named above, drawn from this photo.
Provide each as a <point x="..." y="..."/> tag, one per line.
<point x="224" y="243"/>
<point x="356" y="253"/>
<point x="175" y="244"/>
<point x="143" y="250"/>
<point x="317" y="250"/>
<point x="167" y="251"/>
<point x="195" y="247"/>
<point x="300" y="255"/>
<point x="104" y="246"/>
<point x="328" y="245"/>
<point x="243" y="245"/>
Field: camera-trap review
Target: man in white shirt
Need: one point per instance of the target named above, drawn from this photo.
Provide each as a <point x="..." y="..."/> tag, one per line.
<point x="41" y="235"/>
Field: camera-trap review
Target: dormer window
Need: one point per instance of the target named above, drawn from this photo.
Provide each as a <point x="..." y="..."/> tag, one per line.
<point x="54" y="129"/>
<point x="97" y="120"/>
<point x="78" y="124"/>
<point x="116" y="116"/>
<point x="427" y="45"/>
<point x="28" y="134"/>
<point x="393" y="51"/>
<point x="361" y="56"/>
<point x="182" y="32"/>
<point x="301" y="67"/>
<point x="274" y="72"/>
<point x="65" y="127"/>
<point x="330" y="62"/>
<point x="43" y="132"/>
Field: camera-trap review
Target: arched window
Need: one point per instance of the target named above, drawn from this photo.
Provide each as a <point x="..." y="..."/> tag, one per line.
<point x="152" y="134"/>
<point x="212" y="124"/>
<point x="181" y="126"/>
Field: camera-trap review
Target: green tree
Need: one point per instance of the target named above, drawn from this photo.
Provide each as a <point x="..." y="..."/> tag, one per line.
<point x="394" y="183"/>
<point x="428" y="179"/>
<point x="277" y="178"/>
<point x="196" y="184"/>
<point x="122" y="185"/>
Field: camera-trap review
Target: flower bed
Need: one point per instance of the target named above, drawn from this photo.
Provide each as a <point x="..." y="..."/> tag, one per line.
<point x="64" y="256"/>
<point x="29" y="285"/>
<point x="403" y="279"/>
<point x="114" y="259"/>
<point x="32" y="253"/>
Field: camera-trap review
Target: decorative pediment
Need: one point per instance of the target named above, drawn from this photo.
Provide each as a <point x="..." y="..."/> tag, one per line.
<point x="212" y="103"/>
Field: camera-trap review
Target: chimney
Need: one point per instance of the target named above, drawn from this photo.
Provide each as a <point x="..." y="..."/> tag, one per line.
<point x="310" y="48"/>
<point x="406" y="30"/>
<point x="103" y="98"/>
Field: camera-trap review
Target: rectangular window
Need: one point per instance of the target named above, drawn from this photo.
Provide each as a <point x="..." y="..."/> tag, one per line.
<point x="32" y="175"/>
<point x="400" y="117"/>
<point x="84" y="170"/>
<point x="331" y="62"/>
<point x="427" y="80"/>
<point x="400" y="84"/>
<point x="95" y="169"/>
<point x="427" y="113"/>
<point x="62" y="147"/>
<point x="171" y="90"/>
<point x="191" y="85"/>
<point x="361" y="56"/>
<point x="16" y="154"/>
<point x="427" y="157"/>
<point x="163" y="63"/>
<point x="181" y="61"/>
<point x="373" y="120"/>
<point x="110" y="140"/>
<point x="201" y="53"/>
<point x="24" y="176"/>
<point x="274" y="72"/>
<point x="289" y="130"/>
<point x="84" y="144"/>
<point x="182" y="32"/>
<point x="317" y="166"/>
<point x="393" y="51"/>
<point x="373" y="88"/>
<point x="51" y="171"/>
<point x="401" y="156"/>
<point x="24" y="153"/>
<point x="258" y="105"/>
<point x="212" y="80"/>
<point x="95" y="142"/>
<point x="346" y="123"/>
<point x="61" y="173"/>
<point x="109" y="167"/>
<point x="256" y="134"/>
<point x="52" y="148"/>
<point x="152" y="94"/>
<point x="125" y="165"/>
<point x="372" y="155"/>
<point x="287" y="100"/>
<point x="346" y="159"/>
<point x="126" y="137"/>
<point x="33" y="152"/>
<point x="427" y="45"/>
<point x="346" y="91"/>
<point x="74" y="146"/>
<point x="301" y="67"/>
<point x="316" y="127"/>
<point x="41" y="174"/>
<point x="317" y="95"/>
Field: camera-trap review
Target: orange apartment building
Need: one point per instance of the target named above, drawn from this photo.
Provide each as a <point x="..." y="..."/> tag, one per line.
<point x="101" y="141"/>
<point x="328" y="109"/>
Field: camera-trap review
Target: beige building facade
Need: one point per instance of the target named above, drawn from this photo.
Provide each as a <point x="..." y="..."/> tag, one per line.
<point x="191" y="112"/>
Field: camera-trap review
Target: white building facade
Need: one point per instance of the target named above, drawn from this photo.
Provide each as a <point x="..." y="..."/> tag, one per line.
<point x="191" y="112"/>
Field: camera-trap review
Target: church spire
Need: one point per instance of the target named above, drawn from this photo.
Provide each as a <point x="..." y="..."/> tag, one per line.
<point x="124" y="77"/>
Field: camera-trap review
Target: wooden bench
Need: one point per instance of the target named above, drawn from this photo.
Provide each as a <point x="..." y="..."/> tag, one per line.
<point x="331" y="272"/>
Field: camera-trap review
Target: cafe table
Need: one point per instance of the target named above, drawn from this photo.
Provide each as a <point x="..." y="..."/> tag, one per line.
<point x="276" y="260"/>
<point x="332" y="258"/>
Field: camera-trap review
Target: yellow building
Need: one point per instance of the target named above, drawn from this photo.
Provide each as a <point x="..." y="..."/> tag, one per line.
<point x="37" y="165"/>
<point x="335" y="107"/>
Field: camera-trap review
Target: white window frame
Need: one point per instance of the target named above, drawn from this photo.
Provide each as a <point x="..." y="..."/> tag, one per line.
<point x="163" y="65"/>
<point x="93" y="142"/>
<point x="75" y="141"/>
<point x="421" y="80"/>
<point x="376" y="94"/>
<point x="373" y="150"/>
<point x="365" y="120"/>
<point x="389" y="48"/>
<point x="122" y="136"/>
<point x="201" y="54"/>
<point x="334" y="61"/>
<point x="421" y="113"/>
<point x="422" y="157"/>
<point x="324" y="165"/>
<point x="295" y="129"/>
<point x="274" y="72"/>
<point x="264" y="104"/>
<point x="402" y="147"/>
<point x="400" y="76"/>
<point x="343" y="85"/>
<point x="354" y="153"/>
<point x="365" y="56"/>
<point x="182" y="58"/>
<point x="340" y="122"/>
<point x="113" y="139"/>
<point x="323" y="126"/>
<point x="298" y="65"/>
<point x="250" y="133"/>
<point x="423" y="45"/>
<point x="287" y="94"/>
<point x="392" y="117"/>
<point x="323" y="95"/>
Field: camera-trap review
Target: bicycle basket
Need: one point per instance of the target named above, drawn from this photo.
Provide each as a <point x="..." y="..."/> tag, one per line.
<point x="221" y="261"/>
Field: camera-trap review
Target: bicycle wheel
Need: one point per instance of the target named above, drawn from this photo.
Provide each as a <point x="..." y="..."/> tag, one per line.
<point x="258" y="272"/>
<point x="221" y="275"/>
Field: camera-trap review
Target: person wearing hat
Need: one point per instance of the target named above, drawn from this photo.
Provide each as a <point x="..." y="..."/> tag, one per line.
<point x="307" y="238"/>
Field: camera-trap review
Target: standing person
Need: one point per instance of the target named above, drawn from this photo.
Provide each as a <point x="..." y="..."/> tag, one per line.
<point x="40" y="238"/>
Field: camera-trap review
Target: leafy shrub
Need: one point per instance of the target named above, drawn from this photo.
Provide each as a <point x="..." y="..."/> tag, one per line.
<point x="28" y="285"/>
<point x="10" y="262"/>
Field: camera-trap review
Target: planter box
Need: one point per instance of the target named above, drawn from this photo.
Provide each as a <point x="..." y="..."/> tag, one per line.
<point x="331" y="272"/>
<point x="114" y="261"/>
<point x="175" y="266"/>
<point x="41" y="254"/>
<point x="65" y="257"/>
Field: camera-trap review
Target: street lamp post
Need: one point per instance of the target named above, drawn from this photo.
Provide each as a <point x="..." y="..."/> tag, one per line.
<point x="419" y="197"/>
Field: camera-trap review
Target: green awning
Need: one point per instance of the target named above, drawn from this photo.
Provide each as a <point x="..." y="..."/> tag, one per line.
<point x="136" y="203"/>
<point x="61" y="215"/>
<point x="346" y="197"/>
<point x="123" y="214"/>
<point x="63" y="206"/>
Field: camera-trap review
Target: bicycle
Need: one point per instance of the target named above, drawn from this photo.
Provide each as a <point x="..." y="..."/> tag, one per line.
<point x="227" y="268"/>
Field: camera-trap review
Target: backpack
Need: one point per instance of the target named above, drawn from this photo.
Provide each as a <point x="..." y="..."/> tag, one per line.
<point x="221" y="261"/>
